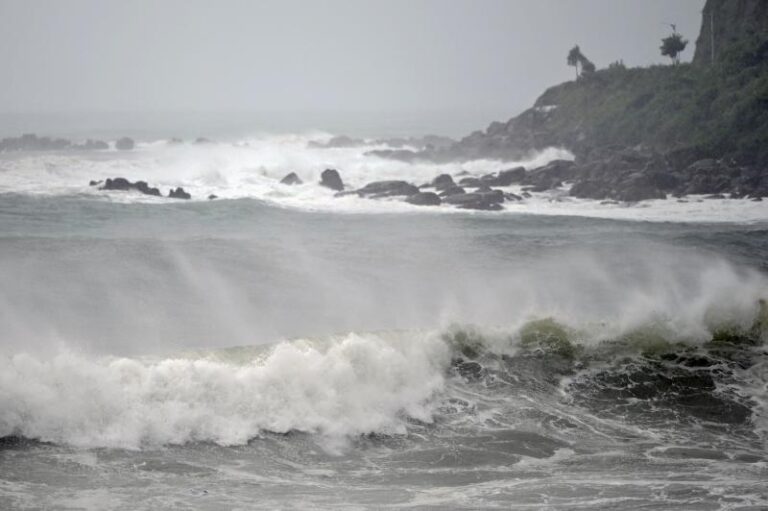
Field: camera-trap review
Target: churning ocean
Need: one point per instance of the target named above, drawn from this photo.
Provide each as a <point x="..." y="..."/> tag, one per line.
<point x="282" y="348"/>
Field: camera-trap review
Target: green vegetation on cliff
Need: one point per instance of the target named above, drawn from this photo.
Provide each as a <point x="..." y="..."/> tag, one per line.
<point x="717" y="110"/>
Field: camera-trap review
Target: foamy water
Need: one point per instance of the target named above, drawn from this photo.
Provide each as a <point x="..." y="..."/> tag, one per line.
<point x="283" y="348"/>
<point x="253" y="167"/>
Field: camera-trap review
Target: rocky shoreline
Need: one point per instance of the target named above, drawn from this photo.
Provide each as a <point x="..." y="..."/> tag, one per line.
<point x="628" y="176"/>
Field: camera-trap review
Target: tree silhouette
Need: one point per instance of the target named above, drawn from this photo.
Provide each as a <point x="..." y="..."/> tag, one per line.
<point x="579" y="60"/>
<point x="574" y="58"/>
<point x="587" y="67"/>
<point x="673" y="46"/>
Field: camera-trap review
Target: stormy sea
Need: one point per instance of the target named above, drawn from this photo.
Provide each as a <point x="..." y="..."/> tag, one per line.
<point x="279" y="347"/>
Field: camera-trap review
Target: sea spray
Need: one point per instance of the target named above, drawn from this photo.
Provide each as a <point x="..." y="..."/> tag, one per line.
<point x="354" y="385"/>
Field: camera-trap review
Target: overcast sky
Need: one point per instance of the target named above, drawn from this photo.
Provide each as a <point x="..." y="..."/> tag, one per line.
<point x="351" y="55"/>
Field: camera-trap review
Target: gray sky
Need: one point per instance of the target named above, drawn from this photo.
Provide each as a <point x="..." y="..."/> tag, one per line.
<point x="350" y="55"/>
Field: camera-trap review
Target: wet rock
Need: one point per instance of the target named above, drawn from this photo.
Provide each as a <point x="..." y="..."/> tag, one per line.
<point x="453" y="190"/>
<point x="118" y="183"/>
<point x="95" y="183"/>
<point x="639" y="188"/>
<point x="291" y="179"/>
<point x="486" y="200"/>
<point x="471" y="182"/>
<point x="512" y="197"/>
<point x="424" y="199"/>
<point x="179" y="193"/>
<point x="379" y="189"/>
<point x="505" y="177"/>
<point x="330" y="178"/>
<point x="122" y="184"/>
<point x="125" y="144"/>
<point x="213" y="197"/>
<point x="443" y="182"/>
<point x="93" y="145"/>
<point x="144" y="188"/>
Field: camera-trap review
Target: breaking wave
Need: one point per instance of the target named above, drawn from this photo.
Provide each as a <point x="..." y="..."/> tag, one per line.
<point x="388" y="383"/>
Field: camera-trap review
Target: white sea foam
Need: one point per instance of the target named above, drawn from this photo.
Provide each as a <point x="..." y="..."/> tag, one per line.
<point x="354" y="385"/>
<point x="253" y="167"/>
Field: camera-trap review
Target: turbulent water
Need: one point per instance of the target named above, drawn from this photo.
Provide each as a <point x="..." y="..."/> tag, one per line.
<point x="280" y="348"/>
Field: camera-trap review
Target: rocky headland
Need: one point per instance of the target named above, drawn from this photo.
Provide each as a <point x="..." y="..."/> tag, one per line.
<point x="647" y="133"/>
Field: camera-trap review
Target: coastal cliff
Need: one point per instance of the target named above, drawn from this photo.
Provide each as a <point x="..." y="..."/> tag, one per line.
<point x="725" y="23"/>
<point x="636" y="133"/>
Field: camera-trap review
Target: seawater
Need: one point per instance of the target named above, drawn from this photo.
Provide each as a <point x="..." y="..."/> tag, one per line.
<point x="281" y="348"/>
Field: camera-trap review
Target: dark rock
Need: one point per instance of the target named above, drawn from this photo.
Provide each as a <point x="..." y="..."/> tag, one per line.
<point x="471" y="182"/>
<point x="505" y="177"/>
<point x="330" y="178"/>
<point x="512" y="196"/>
<point x="125" y="144"/>
<point x="424" y="199"/>
<point x="526" y="195"/>
<point x="118" y="183"/>
<point x="291" y="179"/>
<point x="488" y="200"/>
<point x="122" y="184"/>
<point x="453" y="190"/>
<point x="95" y="183"/>
<point x="443" y="182"/>
<point x="639" y="188"/>
<point x="144" y="188"/>
<point x="388" y="189"/>
<point x="93" y="145"/>
<point x="178" y="193"/>
<point x="549" y="176"/>
<point x="213" y="197"/>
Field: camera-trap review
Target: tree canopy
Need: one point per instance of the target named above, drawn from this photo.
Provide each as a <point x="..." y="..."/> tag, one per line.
<point x="578" y="59"/>
<point x="673" y="46"/>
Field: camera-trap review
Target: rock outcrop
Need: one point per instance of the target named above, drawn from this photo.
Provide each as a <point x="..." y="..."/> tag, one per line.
<point x="122" y="184"/>
<point x="725" y="23"/>
<point x="179" y="193"/>
<point x="424" y="199"/>
<point x="379" y="189"/>
<point x="330" y="178"/>
<point x="291" y="179"/>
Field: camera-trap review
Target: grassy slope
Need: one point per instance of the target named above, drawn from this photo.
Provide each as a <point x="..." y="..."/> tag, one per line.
<point x="720" y="110"/>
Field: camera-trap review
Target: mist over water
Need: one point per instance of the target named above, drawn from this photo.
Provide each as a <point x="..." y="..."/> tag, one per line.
<point x="365" y="351"/>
